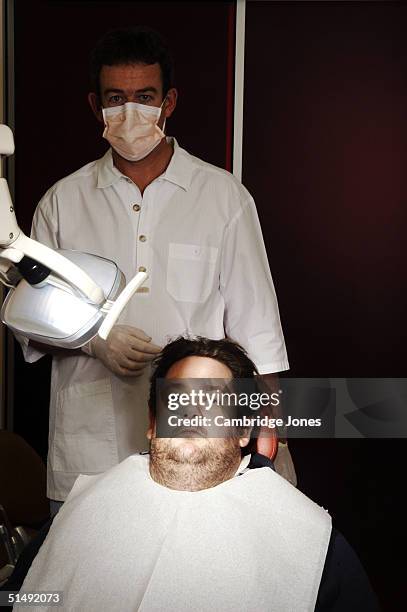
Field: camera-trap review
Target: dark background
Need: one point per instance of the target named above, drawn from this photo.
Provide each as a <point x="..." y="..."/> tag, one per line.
<point x="325" y="152"/>
<point x="325" y="155"/>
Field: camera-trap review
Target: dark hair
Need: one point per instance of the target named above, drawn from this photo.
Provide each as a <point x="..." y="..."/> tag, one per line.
<point x="137" y="45"/>
<point x="226" y="351"/>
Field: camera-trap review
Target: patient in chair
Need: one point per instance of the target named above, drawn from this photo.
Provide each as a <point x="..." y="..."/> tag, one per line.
<point x="194" y="524"/>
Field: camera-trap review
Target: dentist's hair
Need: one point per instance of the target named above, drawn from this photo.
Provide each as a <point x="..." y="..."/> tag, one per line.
<point x="136" y="45"/>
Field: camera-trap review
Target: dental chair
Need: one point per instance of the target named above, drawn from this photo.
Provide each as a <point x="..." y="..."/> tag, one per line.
<point x="24" y="507"/>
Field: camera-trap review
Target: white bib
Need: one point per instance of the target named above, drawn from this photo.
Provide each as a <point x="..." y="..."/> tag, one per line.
<point x="123" y="542"/>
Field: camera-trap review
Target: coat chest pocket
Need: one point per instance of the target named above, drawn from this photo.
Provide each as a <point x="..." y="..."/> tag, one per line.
<point x="190" y="271"/>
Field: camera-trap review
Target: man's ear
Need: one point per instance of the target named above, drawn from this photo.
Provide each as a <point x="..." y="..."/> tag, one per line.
<point x="150" y="430"/>
<point x="245" y="437"/>
<point x="95" y="104"/>
<point x="170" y="102"/>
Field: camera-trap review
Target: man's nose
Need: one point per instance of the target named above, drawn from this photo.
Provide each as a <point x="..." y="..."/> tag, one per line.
<point x="194" y="408"/>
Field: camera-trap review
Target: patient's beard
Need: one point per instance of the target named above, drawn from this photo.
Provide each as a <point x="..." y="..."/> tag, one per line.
<point x="193" y="467"/>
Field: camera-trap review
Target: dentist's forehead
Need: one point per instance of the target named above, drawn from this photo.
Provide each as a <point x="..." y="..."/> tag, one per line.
<point x="198" y="367"/>
<point x="131" y="78"/>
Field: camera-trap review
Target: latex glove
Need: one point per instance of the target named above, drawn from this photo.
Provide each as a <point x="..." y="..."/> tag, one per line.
<point x="284" y="464"/>
<point x="126" y="352"/>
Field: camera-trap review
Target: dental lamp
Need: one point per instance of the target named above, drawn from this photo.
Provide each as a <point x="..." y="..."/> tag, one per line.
<point x="58" y="297"/>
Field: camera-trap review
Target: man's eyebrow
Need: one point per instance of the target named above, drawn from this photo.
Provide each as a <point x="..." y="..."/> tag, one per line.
<point x="173" y="383"/>
<point x="187" y="383"/>
<point x="137" y="91"/>
<point x="151" y="88"/>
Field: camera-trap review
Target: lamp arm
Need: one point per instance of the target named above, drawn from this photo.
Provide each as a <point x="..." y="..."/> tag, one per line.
<point x="61" y="266"/>
<point x="120" y="303"/>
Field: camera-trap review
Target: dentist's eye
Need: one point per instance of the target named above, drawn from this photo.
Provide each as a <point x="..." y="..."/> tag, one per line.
<point x="115" y="100"/>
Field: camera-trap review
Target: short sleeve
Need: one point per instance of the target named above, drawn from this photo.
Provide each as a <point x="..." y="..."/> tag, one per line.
<point x="44" y="227"/>
<point x="251" y="311"/>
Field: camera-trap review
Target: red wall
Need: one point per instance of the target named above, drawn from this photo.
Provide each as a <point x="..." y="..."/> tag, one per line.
<point x="325" y="156"/>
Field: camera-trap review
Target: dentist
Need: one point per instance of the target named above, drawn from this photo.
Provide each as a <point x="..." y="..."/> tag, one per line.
<point x="150" y="206"/>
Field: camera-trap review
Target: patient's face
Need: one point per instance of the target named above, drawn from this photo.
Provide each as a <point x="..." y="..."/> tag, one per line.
<point x="195" y="462"/>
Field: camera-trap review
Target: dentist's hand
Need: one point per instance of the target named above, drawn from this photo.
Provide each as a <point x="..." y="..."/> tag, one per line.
<point x="126" y="352"/>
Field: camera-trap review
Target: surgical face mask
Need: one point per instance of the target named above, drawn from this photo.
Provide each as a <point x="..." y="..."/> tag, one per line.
<point x="132" y="129"/>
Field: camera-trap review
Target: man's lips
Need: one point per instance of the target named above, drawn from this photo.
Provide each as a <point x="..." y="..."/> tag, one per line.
<point x="190" y="432"/>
